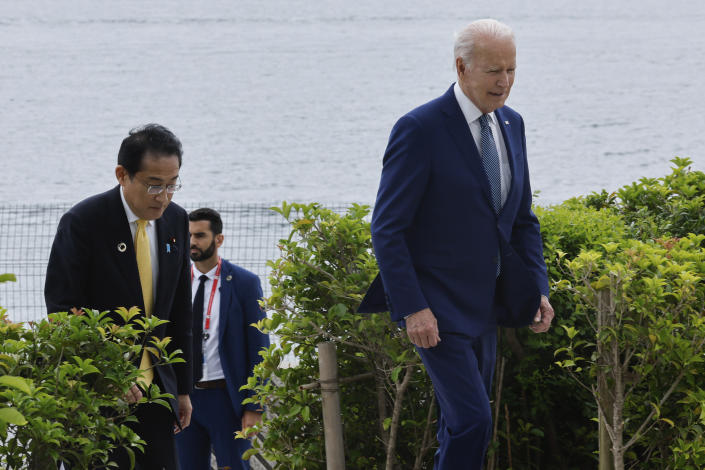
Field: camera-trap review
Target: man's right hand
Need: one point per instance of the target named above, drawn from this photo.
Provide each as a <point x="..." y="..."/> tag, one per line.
<point x="133" y="395"/>
<point x="422" y="328"/>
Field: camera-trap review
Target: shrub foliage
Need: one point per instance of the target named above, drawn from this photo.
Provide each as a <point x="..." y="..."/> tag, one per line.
<point x="549" y="419"/>
<point x="627" y="274"/>
<point x="388" y="408"/>
<point x="63" y="380"/>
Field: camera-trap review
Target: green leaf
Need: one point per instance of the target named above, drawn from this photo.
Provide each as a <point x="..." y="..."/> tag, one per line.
<point x="15" y="382"/>
<point x="12" y="416"/>
<point x="159" y="401"/>
<point x="131" y="455"/>
<point x="656" y="409"/>
<point x="570" y="331"/>
<point x="395" y="373"/>
<point x="294" y="411"/>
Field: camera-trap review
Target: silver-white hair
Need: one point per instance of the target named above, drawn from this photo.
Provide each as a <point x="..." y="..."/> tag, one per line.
<point x="465" y="40"/>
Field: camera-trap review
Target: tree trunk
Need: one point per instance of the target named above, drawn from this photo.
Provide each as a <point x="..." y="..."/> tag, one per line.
<point x="426" y="441"/>
<point x="617" y="414"/>
<point x="382" y="411"/>
<point x="396" y="416"/>
<point x="332" y="422"/>
<point x="604" y="398"/>
<point x="605" y="449"/>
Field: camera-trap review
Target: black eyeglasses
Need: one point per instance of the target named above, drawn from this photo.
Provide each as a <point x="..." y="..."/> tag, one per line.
<point x="155" y="189"/>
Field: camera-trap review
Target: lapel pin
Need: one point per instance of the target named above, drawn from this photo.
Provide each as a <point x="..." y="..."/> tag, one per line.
<point x="229" y="278"/>
<point x="506" y="122"/>
<point x="168" y="248"/>
<point x="121" y="247"/>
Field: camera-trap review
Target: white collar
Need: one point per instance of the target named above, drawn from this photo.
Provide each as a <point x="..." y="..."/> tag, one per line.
<point x="468" y="108"/>
<point x="131" y="217"/>
<point x="210" y="274"/>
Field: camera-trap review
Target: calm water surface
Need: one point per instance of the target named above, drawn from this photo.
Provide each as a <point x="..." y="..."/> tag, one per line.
<point x="295" y="100"/>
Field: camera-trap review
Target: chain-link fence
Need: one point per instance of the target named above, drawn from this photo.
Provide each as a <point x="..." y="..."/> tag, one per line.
<point x="27" y="231"/>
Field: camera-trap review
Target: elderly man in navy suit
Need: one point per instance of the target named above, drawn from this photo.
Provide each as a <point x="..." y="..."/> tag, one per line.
<point x="226" y="349"/>
<point x="458" y="246"/>
<point x="129" y="247"/>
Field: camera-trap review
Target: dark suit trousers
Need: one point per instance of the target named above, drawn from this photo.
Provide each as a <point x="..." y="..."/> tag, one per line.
<point x="156" y="426"/>
<point x="213" y="423"/>
<point x="461" y="370"/>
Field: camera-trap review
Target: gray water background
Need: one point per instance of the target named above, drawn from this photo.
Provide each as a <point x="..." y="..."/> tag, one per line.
<point x="294" y="100"/>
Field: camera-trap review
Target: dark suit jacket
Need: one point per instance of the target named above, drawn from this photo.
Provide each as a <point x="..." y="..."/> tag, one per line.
<point x="436" y="235"/>
<point x="87" y="270"/>
<point x="238" y="342"/>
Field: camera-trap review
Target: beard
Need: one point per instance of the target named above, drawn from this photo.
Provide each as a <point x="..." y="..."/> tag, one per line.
<point x="201" y="255"/>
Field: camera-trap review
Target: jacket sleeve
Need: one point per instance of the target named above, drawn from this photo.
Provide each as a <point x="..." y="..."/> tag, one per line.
<point x="65" y="285"/>
<point x="256" y="340"/>
<point x="405" y="174"/>
<point x="526" y="233"/>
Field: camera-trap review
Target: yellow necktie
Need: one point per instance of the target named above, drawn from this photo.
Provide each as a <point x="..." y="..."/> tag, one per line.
<point x="144" y="266"/>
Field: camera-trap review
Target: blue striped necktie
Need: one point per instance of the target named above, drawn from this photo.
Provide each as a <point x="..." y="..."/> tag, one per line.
<point x="490" y="161"/>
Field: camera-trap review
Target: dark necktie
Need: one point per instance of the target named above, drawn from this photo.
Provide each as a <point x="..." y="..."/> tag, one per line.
<point x="198" y="329"/>
<point x="490" y="162"/>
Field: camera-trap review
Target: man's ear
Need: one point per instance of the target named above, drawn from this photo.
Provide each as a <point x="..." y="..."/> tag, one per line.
<point x="121" y="175"/>
<point x="459" y="65"/>
<point x="219" y="240"/>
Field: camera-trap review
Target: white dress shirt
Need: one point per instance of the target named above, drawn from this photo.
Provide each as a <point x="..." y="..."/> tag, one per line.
<point x="472" y="116"/>
<point x="151" y="229"/>
<point x="212" y="369"/>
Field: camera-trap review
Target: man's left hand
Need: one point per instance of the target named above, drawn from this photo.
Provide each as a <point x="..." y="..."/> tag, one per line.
<point x="544" y="316"/>
<point x="250" y="418"/>
<point x="185" y="410"/>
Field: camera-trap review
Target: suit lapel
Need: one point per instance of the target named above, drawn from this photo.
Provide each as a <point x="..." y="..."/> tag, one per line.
<point x="507" y="132"/>
<point x="460" y="131"/>
<point x="166" y="274"/>
<point x="121" y="244"/>
<point x="227" y="289"/>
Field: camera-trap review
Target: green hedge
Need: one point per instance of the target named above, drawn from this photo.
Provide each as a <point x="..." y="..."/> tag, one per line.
<point x="61" y="386"/>
<point x="388" y="414"/>
<point x="545" y="418"/>
<point x="550" y="417"/>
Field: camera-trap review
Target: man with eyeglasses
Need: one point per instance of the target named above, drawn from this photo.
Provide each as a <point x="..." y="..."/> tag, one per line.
<point x="129" y="247"/>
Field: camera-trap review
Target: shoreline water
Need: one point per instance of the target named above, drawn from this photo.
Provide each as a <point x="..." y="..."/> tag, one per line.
<point x="296" y="102"/>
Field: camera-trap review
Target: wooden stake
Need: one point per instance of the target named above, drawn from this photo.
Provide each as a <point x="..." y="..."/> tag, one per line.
<point x="332" y="423"/>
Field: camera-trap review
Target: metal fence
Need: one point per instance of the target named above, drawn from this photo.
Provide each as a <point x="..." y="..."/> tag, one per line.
<point x="27" y="231"/>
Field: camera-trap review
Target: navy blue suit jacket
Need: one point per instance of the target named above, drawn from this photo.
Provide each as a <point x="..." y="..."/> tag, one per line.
<point x="239" y="343"/>
<point x="93" y="265"/>
<point x="435" y="234"/>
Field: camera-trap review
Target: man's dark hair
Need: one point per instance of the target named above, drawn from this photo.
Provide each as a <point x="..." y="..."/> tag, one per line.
<point x="150" y="138"/>
<point x="211" y="215"/>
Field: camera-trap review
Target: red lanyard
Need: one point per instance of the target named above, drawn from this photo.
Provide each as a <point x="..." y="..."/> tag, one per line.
<point x="215" y="286"/>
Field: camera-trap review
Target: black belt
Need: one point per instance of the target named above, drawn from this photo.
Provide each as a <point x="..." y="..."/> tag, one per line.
<point x="210" y="384"/>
